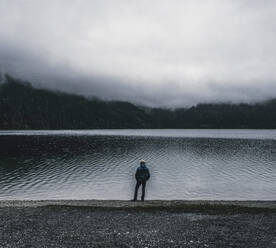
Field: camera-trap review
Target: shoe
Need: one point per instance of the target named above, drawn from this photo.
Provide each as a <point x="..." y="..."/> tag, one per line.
<point x="133" y="200"/>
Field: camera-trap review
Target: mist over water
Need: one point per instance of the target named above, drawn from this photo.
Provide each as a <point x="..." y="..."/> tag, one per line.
<point x="203" y="164"/>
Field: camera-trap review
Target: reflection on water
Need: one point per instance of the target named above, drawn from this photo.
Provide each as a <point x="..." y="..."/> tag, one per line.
<point x="102" y="167"/>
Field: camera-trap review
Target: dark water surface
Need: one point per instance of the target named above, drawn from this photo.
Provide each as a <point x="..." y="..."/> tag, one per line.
<point x="100" y="164"/>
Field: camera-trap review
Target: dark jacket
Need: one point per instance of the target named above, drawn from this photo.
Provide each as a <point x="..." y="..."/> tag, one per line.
<point x="142" y="173"/>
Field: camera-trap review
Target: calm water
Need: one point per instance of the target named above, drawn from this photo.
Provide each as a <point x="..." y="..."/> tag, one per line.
<point x="100" y="164"/>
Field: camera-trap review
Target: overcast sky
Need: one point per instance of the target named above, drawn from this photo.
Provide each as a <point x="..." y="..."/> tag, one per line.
<point x="157" y="52"/>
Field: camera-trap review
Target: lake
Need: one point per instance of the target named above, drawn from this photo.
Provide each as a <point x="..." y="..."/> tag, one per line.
<point x="100" y="164"/>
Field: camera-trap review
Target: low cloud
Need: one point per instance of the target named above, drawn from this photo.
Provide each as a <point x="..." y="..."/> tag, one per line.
<point x="159" y="53"/>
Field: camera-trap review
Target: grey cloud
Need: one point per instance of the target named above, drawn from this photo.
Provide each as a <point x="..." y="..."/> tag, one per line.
<point x="158" y="53"/>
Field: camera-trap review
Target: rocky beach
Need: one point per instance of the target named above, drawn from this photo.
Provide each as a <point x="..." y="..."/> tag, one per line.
<point x="94" y="223"/>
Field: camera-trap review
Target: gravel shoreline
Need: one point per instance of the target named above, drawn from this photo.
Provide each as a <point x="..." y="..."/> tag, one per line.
<point x="91" y="223"/>
<point x="145" y="204"/>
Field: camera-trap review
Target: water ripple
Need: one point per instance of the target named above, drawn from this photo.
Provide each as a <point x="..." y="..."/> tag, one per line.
<point x="103" y="167"/>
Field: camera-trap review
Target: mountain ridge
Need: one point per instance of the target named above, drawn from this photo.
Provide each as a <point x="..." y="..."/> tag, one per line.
<point x="24" y="107"/>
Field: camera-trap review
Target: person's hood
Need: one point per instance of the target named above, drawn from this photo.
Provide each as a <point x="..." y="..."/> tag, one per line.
<point x="143" y="165"/>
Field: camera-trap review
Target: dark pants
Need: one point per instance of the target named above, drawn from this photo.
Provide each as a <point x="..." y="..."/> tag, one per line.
<point x="143" y="189"/>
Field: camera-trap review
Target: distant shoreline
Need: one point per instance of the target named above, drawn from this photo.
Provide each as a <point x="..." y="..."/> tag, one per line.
<point x="258" y="134"/>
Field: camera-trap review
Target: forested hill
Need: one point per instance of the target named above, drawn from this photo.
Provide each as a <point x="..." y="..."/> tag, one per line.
<point x="25" y="107"/>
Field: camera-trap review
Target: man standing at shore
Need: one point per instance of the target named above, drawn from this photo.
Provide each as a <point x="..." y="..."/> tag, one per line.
<point x="142" y="175"/>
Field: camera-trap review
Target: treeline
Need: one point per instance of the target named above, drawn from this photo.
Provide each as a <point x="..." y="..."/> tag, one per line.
<point x="25" y="107"/>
